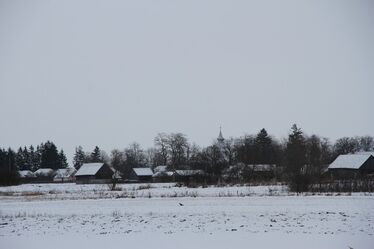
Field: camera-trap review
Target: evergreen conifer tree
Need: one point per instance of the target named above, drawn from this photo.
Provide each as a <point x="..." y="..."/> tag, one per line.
<point x="96" y="155"/>
<point x="50" y="156"/>
<point x="20" y="160"/>
<point x="296" y="159"/>
<point x="8" y="168"/>
<point x="263" y="146"/>
<point x="62" y="160"/>
<point x="79" y="157"/>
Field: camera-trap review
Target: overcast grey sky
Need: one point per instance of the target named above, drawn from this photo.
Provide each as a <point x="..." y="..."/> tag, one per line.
<point x="109" y="73"/>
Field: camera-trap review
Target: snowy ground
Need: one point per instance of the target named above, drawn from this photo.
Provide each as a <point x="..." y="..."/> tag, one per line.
<point x="259" y="219"/>
<point x="73" y="191"/>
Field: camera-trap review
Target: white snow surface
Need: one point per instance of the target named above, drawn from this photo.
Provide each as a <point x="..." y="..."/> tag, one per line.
<point x="268" y="217"/>
<point x="89" y="169"/>
<point x="351" y="161"/>
<point x="72" y="191"/>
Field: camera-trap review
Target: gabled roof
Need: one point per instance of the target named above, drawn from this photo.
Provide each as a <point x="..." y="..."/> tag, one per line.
<point x="262" y="167"/>
<point x="62" y="173"/>
<point x="143" y="171"/>
<point x="161" y="168"/>
<point x="89" y="169"/>
<point x="44" y="172"/>
<point x="163" y="174"/>
<point x="351" y="161"/>
<point x="26" y="173"/>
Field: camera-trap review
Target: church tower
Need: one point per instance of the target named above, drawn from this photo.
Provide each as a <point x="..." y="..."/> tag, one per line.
<point x="220" y="138"/>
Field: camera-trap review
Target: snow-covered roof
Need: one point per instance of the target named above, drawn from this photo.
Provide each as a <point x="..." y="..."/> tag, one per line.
<point x="189" y="172"/>
<point x="351" y="161"/>
<point x="62" y="173"/>
<point x="89" y="169"/>
<point x="143" y="171"/>
<point x="161" y="168"/>
<point x="262" y="167"/>
<point x="44" y="172"/>
<point x="163" y="173"/>
<point x="26" y="173"/>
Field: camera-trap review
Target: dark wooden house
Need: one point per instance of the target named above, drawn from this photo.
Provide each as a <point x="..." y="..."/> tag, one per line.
<point x="94" y="173"/>
<point x="189" y="176"/>
<point x="141" y="174"/>
<point x="352" y="166"/>
<point x="44" y="175"/>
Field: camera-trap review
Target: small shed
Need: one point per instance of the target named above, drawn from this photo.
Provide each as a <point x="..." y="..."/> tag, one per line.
<point x="44" y="175"/>
<point x="161" y="168"/>
<point x="352" y="165"/>
<point x="94" y="173"/>
<point x="65" y="175"/>
<point x="263" y="171"/>
<point x="189" y="176"/>
<point x="142" y="174"/>
<point x="26" y="176"/>
<point x="163" y="176"/>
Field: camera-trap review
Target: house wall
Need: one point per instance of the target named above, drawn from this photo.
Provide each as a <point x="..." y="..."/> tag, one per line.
<point x="105" y="172"/>
<point x="368" y="166"/>
<point x="145" y="178"/>
<point x="344" y="173"/>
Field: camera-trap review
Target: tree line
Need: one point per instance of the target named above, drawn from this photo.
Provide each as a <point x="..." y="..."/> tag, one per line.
<point x="45" y="155"/>
<point x="299" y="155"/>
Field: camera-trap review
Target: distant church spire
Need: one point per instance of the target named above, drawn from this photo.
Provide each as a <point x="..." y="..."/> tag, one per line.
<point x="220" y="138"/>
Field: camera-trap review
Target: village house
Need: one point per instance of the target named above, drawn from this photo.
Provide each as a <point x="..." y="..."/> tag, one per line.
<point x="44" y="175"/>
<point x="64" y="175"/>
<point x="189" y="176"/>
<point x="26" y="176"/>
<point x="94" y="173"/>
<point x="262" y="171"/>
<point x="141" y="174"/>
<point x="161" y="174"/>
<point x="352" y="166"/>
<point x="160" y="168"/>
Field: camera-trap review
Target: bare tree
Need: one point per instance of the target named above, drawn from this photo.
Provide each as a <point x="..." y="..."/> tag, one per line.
<point x="151" y="157"/>
<point x="161" y="142"/>
<point x="229" y="150"/>
<point x="178" y="147"/>
<point x="135" y="156"/>
<point x="346" y="145"/>
<point x="117" y="159"/>
<point x="366" y="143"/>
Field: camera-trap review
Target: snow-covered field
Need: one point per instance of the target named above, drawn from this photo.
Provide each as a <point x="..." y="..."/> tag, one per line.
<point x="261" y="217"/>
<point x="73" y="191"/>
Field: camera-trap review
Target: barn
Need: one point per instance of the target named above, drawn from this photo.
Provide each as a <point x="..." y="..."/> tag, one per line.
<point x="142" y="174"/>
<point x="352" y="166"/>
<point x="189" y="176"/>
<point x="44" y="175"/>
<point x="263" y="171"/>
<point x="94" y="173"/>
<point x="64" y="175"/>
<point x="26" y="176"/>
